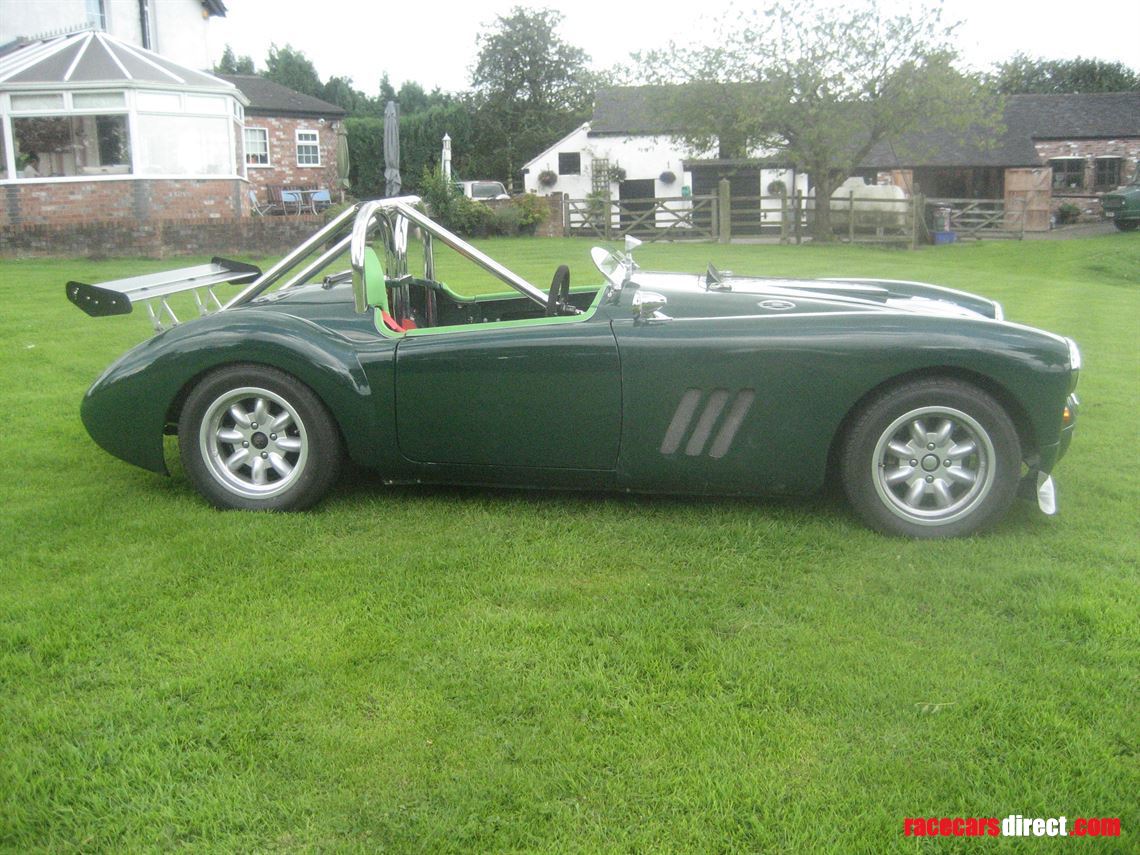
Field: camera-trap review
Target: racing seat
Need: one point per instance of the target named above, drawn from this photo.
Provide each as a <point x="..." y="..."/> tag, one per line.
<point x="376" y="290"/>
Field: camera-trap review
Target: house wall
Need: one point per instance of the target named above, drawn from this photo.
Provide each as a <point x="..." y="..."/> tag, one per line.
<point x="179" y="29"/>
<point x="283" y="169"/>
<point x="640" y="157"/>
<point x="75" y="202"/>
<point x="1088" y="198"/>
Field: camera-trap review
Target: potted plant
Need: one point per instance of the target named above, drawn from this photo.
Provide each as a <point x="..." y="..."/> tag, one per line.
<point x="548" y="178"/>
<point x="667" y="177"/>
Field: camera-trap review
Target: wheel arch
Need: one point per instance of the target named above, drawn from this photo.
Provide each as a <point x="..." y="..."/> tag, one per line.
<point x="1022" y="423"/>
<point x="332" y="398"/>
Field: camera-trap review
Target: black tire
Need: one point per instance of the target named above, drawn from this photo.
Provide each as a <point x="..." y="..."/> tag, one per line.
<point x="931" y="458"/>
<point x="1126" y="225"/>
<point x="255" y="438"/>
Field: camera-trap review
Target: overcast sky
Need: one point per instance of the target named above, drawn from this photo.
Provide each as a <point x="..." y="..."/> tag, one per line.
<point x="434" y="44"/>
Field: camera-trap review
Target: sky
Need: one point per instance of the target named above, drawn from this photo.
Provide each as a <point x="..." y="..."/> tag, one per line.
<point x="435" y="46"/>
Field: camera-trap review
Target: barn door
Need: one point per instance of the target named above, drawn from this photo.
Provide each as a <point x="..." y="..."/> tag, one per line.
<point x="1028" y="196"/>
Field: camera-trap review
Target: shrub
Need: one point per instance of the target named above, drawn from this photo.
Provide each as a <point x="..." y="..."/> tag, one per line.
<point x="505" y="220"/>
<point x="1068" y="213"/>
<point x="450" y="208"/>
<point x="533" y="209"/>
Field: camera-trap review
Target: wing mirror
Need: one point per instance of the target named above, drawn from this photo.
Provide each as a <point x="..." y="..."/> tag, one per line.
<point x="631" y="243"/>
<point x="647" y="306"/>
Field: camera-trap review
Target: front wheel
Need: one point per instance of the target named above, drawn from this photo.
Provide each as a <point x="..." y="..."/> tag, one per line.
<point x="255" y="438"/>
<point x="1126" y="225"/>
<point x="932" y="458"/>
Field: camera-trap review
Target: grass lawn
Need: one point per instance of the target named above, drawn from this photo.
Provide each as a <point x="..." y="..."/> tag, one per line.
<point x="413" y="669"/>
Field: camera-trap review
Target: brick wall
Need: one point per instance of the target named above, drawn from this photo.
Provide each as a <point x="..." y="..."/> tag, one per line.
<point x="159" y="238"/>
<point x="553" y="225"/>
<point x="1088" y="198"/>
<point x="283" y="170"/>
<point x="74" y="202"/>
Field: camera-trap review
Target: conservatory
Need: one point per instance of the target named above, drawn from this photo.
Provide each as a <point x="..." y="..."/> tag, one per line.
<point x="117" y="131"/>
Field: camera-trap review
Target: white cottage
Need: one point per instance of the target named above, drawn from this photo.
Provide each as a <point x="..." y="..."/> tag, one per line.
<point x="643" y="159"/>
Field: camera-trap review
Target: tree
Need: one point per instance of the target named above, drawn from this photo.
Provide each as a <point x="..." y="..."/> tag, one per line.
<point x="290" y="67"/>
<point x="823" y="88"/>
<point x="387" y="93"/>
<point x="530" y="87"/>
<point x="1024" y="75"/>
<point x="231" y="64"/>
<point x="340" y="91"/>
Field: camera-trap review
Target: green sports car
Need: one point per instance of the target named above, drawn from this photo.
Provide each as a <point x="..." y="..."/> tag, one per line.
<point x="931" y="410"/>
<point x="1122" y="205"/>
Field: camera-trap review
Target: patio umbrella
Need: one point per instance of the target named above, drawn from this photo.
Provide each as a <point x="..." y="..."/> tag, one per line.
<point x="392" y="149"/>
<point x="342" y="165"/>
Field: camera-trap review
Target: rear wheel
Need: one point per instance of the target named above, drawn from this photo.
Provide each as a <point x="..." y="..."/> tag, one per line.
<point x="932" y="458"/>
<point x="255" y="438"/>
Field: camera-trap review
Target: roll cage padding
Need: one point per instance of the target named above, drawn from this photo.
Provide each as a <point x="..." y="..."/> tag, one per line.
<point x="375" y="284"/>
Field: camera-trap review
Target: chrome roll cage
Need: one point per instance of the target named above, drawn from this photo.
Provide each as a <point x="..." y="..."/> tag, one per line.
<point x="388" y="222"/>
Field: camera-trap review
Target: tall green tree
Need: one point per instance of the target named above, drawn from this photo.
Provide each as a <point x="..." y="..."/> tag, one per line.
<point x="821" y="87"/>
<point x="232" y="64"/>
<point x="290" y="67"/>
<point x="340" y="91"/>
<point x="529" y="87"/>
<point x="1024" y="75"/>
<point x="387" y="91"/>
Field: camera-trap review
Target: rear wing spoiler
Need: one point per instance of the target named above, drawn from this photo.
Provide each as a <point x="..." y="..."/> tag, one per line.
<point x="118" y="296"/>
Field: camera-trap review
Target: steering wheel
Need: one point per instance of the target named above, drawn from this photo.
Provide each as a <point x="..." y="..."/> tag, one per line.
<point x="559" y="296"/>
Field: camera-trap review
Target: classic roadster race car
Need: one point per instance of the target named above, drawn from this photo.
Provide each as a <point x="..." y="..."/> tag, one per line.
<point x="927" y="406"/>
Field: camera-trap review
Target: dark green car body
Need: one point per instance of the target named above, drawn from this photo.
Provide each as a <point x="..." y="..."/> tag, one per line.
<point x="735" y="386"/>
<point x="1122" y="205"/>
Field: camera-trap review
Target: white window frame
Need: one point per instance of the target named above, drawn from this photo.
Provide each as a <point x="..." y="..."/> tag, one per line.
<point x="315" y="143"/>
<point x="245" y="151"/>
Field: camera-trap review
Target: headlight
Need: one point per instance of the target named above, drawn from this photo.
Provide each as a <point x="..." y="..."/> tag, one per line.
<point x="1074" y="363"/>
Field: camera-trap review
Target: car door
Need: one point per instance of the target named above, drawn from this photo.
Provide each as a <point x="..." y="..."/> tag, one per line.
<point x="517" y="393"/>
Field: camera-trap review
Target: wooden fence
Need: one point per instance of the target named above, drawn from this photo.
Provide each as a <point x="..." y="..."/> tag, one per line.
<point x="722" y="217"/>
<point x="672" y="218"/>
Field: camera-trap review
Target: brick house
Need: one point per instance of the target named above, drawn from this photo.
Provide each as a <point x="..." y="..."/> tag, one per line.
<point x="289" y="139"/>
<point x="1052" y="150"/>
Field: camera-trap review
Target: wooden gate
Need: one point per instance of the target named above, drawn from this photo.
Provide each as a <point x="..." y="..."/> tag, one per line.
<point x="671" y="218"/>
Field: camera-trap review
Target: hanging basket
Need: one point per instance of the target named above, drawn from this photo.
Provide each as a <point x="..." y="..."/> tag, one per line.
<point x="547" y="178"/>
<point x="667" y="177"/>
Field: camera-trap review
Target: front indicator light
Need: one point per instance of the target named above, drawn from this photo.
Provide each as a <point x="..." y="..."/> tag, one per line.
<point x="1066" y="417"/>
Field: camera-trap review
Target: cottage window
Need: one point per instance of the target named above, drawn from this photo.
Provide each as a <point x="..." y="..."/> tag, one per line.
<point x="308" y="148"/>
<point x="48" y="146"/>
<point x="1068" y="173"/>
<point x="569" y="163"/>
<point x="1108" y="172"/>
<point x="257" y="147"/>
